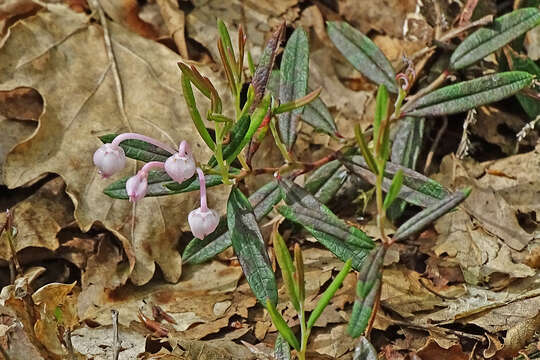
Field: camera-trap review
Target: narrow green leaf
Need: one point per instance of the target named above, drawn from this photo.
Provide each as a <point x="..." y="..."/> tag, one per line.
<point x="405" y="150"/>
<point x="367" y="287"/>
<point x="298" y="103"/>
<point x="257" y="118"/>
<point x="227" y="44"/>
<point x="363" y="54"/>
<point x="266" y="63"/>
<point x="326" y="181"/>
<point x="425" y="217"/>
<point x="199" y="251"/>
<point x="282" y="349"/>
<point x="281" y="325"/>
<point x="417" y="189"/>
<point x="249" y="247"/>
<point x="317" y="115"/>
<point x="346" y="242"/>
<point x="138" y="149"/>
<point x="394" y="189"/>
<point x="293" y="83"/>
<point x="467" y="95"/>
<point x="287" y="268"/>
<point x="160" y="184"/>
<point x="194" y="112"/>
<point x="328" y="294"/>
<point x="381" y="112"/>
<point x="364" y="350"/>
<point x="299" y="276"/>
<point x="484" y="41"/>
<point x="233" y="148"/>
<point x="364" y="149"/>
<point x="188" y="73"/>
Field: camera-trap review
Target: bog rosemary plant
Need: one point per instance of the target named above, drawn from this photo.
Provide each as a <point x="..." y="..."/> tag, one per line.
<point x="277" y="98"/>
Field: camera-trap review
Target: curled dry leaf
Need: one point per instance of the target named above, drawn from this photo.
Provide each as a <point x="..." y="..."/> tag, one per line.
<point x="88" y="104"/>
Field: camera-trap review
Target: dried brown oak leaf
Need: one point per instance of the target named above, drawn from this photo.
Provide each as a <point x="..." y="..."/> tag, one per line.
<point x="64" y="57"/>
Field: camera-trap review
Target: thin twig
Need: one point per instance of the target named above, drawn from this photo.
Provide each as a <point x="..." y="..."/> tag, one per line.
<point x="437" y="328"/>
<point x="488" y="19"/>
<point x="116" y="340"/>
<point x="435" y="144"/>
<point x="453" y="33"/>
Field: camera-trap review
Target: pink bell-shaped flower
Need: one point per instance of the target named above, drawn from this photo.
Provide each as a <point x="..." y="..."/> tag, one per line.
<point x="136" y="186"/>
<point x="203" y="221"/>
<point x="181" y="165"/>
<point x="109" y="159"/>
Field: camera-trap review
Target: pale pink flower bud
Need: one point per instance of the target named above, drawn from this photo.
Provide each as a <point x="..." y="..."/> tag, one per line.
<point x="109" y="159"/>
<point x="202" y="222"/>
<point x="181" y="165"/>
<point x="136" y="186"/>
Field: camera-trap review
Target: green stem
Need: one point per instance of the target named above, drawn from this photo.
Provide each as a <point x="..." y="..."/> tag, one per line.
<point x="304" y="331"/>
<point x="282" y="148"/>
<point x="219" y="153"/>
<point x="381" y="213"/>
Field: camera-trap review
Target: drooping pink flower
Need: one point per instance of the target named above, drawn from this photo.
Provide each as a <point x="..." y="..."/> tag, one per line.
<point x="137" y="185"/>
<point x="109" y="159"/>
<point x="181" y="165"/>
<point x="203" y="221"/>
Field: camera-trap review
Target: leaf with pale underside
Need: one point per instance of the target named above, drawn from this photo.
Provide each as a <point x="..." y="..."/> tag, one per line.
<point x="138" y="149"/>
<point x="201" y="250"/>
<point x="430" y="214"/>
<point x="363" y="54"/>
<point x="326" y="181"/>
<point x="249" y="247"/>
<point x="81" y="102"/>
<point x="293" y="82"/>
<point x="417" y="189"/>
<point x="367" y="289"/>
<point x="316" y="114"/>
<point x="346" y="242"/>
<point x="160" y="184"/>
<point x="405" y="150"/>
<point x="486" y="40"/>
<point x="467" y="95"/>
<point x="282" y="349"/>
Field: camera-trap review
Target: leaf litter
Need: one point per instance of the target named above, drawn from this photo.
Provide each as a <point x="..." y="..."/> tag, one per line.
<point x="481" y="261"/>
